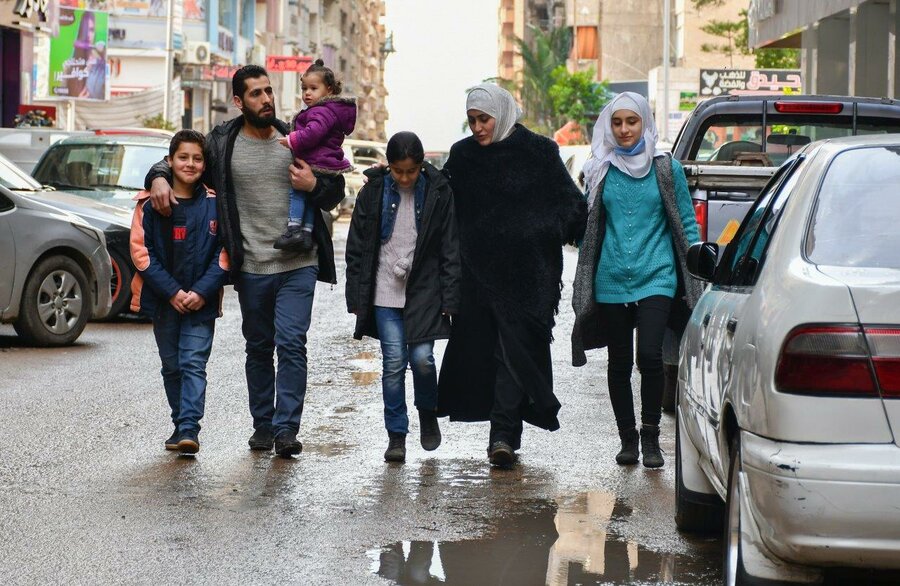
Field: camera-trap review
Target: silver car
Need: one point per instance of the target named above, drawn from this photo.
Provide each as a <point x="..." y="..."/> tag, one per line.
<point x="788" y="419"/>
<point x="54" y="269"/>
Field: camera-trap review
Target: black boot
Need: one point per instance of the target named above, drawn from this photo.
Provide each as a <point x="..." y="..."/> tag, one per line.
<point x="629" y="452"/>
<point x="430" y="431"/>
<point x="650" y="446"/>
<point x="396" y="450"/>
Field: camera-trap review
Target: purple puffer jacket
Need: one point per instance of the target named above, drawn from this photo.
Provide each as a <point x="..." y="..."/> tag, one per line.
<point x="319" y="132"/>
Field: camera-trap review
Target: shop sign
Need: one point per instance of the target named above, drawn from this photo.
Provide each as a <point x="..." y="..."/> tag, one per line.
<point x="716" y="82"/>
<point x="28" y="7"/>
<point x="288" y="63"/>
<point x="78" y="64"/>
<point x="29" y="14"/>
<point x="209" y="72"/>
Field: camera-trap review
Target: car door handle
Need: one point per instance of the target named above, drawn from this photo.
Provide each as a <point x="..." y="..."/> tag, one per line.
<point x="706" y="320"/>
<point x="731" y="326"/>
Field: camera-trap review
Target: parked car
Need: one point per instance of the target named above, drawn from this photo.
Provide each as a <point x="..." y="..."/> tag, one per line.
<point x="362" y="154"/>
<point x="54" y="269"/>
<point x="109" y="170"/>
<point x="788" y="416"/>
<point x="437" y="158"/>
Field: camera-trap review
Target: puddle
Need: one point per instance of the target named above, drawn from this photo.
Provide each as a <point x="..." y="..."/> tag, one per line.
<point x="365" y="378"/>
<point x="567" y="541"/>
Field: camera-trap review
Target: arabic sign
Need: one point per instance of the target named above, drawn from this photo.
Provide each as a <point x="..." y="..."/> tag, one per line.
<point x="192" y="9"/>
<point x="716" y="82"/>
<point x="282" y="63"/>
<point x="24" y="14"/>
<point x="78" y="67"/>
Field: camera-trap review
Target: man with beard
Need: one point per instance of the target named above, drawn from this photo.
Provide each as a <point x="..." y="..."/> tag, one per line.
<point x="251" y="173"/>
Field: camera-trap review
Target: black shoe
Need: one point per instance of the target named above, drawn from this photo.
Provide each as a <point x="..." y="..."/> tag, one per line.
<point x="629" y="452"/>
<point x="650" y="446"/>
<point x="429" y="430"/>
<point x="172" y="442"/>
<point x="261" y="440"/>
<point x="501" y="454"/>
<point x="286" y="445"/>
<point x="396" y="450"/>
<point x="292" y="239"/>
<point x="189" y="443"/>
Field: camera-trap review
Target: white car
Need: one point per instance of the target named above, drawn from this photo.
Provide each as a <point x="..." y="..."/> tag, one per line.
<point x="789" y="379"/>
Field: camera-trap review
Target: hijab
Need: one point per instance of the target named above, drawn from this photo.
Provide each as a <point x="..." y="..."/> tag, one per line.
<point x="636" y="161"/>
<point x="497" y="103"/>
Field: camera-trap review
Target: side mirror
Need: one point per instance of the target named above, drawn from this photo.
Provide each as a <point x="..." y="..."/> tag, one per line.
<point x="701" y="260"/>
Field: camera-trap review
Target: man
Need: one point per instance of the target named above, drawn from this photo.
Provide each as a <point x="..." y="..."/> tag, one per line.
<point x="248" y="169"/>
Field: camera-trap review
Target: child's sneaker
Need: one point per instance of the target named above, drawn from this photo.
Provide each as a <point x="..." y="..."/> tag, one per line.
<point x="292" y="238"/>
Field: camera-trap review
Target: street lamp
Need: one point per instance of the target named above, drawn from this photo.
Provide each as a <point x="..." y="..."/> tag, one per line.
<point x="388" y="46"/>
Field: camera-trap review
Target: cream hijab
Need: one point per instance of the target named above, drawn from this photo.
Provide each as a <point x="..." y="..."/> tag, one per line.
<point x="606" y="151"/>
<point x="497" y="103"/>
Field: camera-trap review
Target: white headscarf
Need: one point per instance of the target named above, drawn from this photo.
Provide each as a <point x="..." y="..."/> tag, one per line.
<point x="497" y="103"/>
<point x="604" y="145"/>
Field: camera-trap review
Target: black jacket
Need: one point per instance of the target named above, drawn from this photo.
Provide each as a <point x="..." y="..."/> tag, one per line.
<point x="328" y="193"/>
<point x="432" y="288"/>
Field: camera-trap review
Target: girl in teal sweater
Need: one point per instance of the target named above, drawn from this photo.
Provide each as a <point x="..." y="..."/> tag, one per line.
<point x="647" y="222"/>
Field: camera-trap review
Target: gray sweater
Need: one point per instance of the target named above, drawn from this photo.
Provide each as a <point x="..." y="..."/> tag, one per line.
<point x="259" y="169"/>
<point x="390" y="290"/>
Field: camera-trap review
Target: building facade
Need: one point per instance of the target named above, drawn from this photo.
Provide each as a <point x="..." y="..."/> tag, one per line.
<point x="848" y="47"/>
<point x="517" y="20"/>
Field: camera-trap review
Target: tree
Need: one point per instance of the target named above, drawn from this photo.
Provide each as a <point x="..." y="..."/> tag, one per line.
<point x="577" y="97"/>
<point x="737" y="35"/>
<point x="547" y="51"/>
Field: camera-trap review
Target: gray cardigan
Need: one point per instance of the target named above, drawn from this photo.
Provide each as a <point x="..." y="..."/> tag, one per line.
<point x="587" y="333"/>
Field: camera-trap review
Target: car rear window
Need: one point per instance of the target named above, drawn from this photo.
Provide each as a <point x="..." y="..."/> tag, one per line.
<point x="723" y="138"/>
<point x="858" y="211"/>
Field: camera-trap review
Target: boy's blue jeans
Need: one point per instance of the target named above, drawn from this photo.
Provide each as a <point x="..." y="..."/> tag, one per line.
<point x="396" y="354"/>
<point x="299" y="212"/>
<point x="184" y="345"/>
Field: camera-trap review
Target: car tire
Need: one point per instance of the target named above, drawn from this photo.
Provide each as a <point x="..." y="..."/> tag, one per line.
<point x="56" y="303"/>
<point x="120" y="285"/>
<point x="692" y="516"/>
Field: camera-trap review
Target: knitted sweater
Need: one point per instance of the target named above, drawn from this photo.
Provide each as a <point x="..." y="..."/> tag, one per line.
<point x="390" y="291"/>
<point x="637" y="259"/>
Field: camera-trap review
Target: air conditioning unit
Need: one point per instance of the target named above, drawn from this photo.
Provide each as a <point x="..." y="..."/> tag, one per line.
<point x="196" y="53"/>
<point x="257" y="55"/>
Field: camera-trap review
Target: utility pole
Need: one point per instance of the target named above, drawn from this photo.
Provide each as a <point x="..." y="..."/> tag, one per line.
<point x="667" y="23"/>
<point x="167" y="87"/>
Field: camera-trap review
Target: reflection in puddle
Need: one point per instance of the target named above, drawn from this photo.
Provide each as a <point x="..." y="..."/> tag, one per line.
<point x="568" y="541"/>
<point x="365" y="378"/>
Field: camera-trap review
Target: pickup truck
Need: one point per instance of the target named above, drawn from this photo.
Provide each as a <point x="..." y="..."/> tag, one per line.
<point x="731" y="145"/>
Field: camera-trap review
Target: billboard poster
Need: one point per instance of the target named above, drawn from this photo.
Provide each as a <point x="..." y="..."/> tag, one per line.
<point x="78" y="68"/>
<point x="745" y="82"/>
<point x="102" y="5"/>
<point x="192" y="9"/>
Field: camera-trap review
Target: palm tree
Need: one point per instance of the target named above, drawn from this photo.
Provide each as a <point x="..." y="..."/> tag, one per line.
<point x="547" y="51"/>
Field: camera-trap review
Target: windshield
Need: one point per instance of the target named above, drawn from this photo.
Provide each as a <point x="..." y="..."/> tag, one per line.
<point x="725" y="138"/>
<point x="98" y="167"/>
<point x="858" y="211"/>
<point x="11" y="177"/>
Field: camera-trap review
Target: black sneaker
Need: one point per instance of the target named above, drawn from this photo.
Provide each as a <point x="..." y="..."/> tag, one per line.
<point x="629" y="452"/>
<point x="261" y="439"/>
<point x="650" y="446"/>
<point x="286" y="444"/>
<point x="430" y="431"/>
<point x="396" y="450"/>
<point x="172" y="442"/>
<point x="291" y="239"/>
<point x="501" y="454"/>
<point x="189" y="443"/>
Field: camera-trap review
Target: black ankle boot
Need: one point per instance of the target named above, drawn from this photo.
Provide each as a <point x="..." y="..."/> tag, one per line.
<point x="629" y="452"/>
<point x="650" y="446"/>
<point x="396" y="450"/>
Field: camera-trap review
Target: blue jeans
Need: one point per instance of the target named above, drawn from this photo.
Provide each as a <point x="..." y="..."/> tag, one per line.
<point x="299" y="212"/>
<point x="396" y="354"/>
<point x="276" y="311"/>
<point x="184" y="344"/>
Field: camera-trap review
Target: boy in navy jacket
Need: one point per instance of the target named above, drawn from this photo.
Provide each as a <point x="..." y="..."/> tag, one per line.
<point x="182" y="270"/>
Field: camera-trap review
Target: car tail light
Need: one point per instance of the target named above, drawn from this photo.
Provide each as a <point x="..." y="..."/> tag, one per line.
<point x="700" y="209"/>
<point x="809" y="107"/>
<point x="825" y="360"/>
<point x="885" y="346"/>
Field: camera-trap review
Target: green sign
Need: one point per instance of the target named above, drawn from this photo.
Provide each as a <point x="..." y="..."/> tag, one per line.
<point x="687" y="101"/>
<point x="78" y="68"/>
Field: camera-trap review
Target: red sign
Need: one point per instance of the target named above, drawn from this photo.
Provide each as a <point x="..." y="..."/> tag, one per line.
<point x="283" y="63"/>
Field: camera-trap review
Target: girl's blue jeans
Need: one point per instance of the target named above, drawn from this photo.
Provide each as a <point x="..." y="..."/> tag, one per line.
<point x="299" y="212"/>
<point x="396" y="355"/>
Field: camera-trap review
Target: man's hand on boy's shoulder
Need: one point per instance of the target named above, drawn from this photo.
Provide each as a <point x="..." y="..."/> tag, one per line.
<point x="162" y="198"/>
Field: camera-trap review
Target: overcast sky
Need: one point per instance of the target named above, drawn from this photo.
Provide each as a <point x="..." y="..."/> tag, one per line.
<point x="442" y="48"/>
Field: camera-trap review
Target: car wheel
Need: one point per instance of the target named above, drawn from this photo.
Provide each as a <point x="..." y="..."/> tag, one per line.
<point x="120" y="285"/>
<point x="733" y="572"/>
<point x="56" y="303"/>
<point x="692" y="516"/>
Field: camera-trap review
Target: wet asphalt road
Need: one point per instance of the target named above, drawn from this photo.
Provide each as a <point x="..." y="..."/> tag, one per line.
<point x="88" y="495"/>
